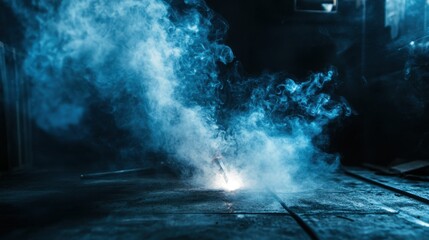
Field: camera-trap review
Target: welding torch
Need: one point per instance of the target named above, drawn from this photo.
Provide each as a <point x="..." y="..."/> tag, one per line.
<point x="221" y="167"/>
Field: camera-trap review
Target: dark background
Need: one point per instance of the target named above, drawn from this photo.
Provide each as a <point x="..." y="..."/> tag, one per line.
<point x="382" y="77"/>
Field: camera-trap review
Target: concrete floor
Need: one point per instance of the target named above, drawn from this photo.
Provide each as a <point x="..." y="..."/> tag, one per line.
<point x="50" y="205"/>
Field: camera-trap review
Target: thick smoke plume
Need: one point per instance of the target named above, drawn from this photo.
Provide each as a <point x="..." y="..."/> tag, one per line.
<point x="157" y="65"/>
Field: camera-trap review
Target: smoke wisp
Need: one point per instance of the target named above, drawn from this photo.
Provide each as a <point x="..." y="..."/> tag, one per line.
<point x="156" y="65"/>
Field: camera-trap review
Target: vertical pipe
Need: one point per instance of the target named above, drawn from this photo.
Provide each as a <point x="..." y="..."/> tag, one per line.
<point x="6" y="102"/>
<point x="17" y="123"/>
<point x="25" y="121"/>
<point x="18" y="113"/>
<point x="5" y="161"/>
<point x="28" y="121"/>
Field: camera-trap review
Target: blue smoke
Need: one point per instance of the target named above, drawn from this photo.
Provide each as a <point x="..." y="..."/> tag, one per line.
<point x="156" y="63"/>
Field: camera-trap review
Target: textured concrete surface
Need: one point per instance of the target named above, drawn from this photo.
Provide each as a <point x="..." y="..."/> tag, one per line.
<point x="61" y="206"/>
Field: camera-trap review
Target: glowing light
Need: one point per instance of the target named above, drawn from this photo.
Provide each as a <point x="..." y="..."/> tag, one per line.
<point x="234" y="182"/>
<point x="165" y="77"/>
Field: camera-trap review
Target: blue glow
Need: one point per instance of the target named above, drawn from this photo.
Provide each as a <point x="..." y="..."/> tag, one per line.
<point x="167" y="60"/>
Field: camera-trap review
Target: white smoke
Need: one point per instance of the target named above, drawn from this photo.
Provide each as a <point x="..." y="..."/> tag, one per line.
<point x="165" y="57"/>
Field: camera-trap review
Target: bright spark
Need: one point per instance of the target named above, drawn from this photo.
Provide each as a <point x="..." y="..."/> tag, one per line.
<point x="234" y="182"/>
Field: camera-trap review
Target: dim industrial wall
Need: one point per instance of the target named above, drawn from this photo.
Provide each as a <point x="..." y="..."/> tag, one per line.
<point x="264" y="35"/>
<point x="395" y="102"/>
<point x="270" y="36"/>
<point x="15" y="112"/>
<point x="382" y="76"/>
